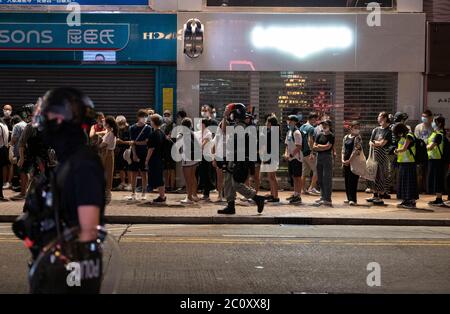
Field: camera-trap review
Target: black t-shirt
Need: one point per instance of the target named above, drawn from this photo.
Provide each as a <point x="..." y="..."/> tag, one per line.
<point x="382" y="134"/>
<point x="349" y="145"/>
<point x="156" y="141"/>
<point x="83" y="184"/>
<point x="124" y="135"/>
<point x="323" y="139"/>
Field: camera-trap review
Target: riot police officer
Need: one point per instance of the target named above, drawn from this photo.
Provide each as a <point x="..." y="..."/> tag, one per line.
<point x="237" y="171"/>
<point x="71" y="196"/>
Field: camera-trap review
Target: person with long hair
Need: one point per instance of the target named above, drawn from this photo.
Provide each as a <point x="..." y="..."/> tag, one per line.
<point x="351" y="148"/>
<point x="380" y="142"/>
<point x="120" y="164"/>
<point x="107" y="146"/>
<point x="188" y="163"/>
<point x="407" y="172"/>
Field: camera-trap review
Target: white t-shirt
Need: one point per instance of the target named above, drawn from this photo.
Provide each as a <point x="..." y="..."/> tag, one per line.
<point x="110" y="139"/>
<point x="292" y="140"/>
<point x="4" y="135"/>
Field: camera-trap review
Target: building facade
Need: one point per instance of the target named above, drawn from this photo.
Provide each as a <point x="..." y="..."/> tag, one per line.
<point x="338" y="61"/>
<point x="124" y="60"/>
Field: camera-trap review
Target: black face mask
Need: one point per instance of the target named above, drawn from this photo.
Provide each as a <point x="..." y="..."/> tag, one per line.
<point x="64" y="138"/>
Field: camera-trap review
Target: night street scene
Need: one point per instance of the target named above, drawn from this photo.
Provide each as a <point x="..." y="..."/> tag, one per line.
<point x="226" y="155"/>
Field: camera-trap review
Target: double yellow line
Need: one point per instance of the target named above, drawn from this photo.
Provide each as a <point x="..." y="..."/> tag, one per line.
<point x="273" y="241"/>
<point x="278" y="241"/>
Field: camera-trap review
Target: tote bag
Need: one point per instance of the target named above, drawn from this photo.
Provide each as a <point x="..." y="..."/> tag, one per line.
<point x="358" y="165"/>
<point x="372" y="166"/>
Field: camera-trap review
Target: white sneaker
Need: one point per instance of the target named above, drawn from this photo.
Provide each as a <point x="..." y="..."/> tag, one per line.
<point x="143" y="197"/>
<point x="7" y="186"/>
<point x="131" y="197"/>
<point x="314" y="192"/>
<point x="127" y="187"/>
<point x="186" y="201"/>
<point x="351" y="203"/>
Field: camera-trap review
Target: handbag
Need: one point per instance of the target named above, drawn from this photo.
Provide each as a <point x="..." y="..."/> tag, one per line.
<point x="127" y="153"/>
<point x="358" y="165"/>
<point x="372" y="165"/>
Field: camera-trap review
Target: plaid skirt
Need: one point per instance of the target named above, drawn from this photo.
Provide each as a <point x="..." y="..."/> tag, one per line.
<point x="407" y="182"/>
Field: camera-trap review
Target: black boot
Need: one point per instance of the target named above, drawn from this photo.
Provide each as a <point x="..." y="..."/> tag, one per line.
<point x="229" y="210"/>
<point x="259" y="200"/>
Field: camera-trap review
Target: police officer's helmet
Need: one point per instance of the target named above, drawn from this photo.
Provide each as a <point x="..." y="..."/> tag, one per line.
<point x="70" y="104"/>
<point x="238" y="112"/>
<point x="400" y="117"/>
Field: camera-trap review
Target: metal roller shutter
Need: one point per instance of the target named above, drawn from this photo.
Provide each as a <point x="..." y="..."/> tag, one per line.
<point x="365" y="96"/>
<point x="221" y="88"/>
<point x="114" y="91"/>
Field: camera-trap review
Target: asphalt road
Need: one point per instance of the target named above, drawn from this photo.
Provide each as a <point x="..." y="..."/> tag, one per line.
<point x="263" y="259"/>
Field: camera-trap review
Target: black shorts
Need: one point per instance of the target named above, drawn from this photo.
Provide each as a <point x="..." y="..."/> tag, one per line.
<point x="138" y="166"/>
<point x="295" y="168"/>
<point x="120" y="164"/>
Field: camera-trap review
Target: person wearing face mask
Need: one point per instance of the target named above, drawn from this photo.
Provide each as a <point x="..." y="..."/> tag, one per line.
<point x="324" y="146"/>
<point x="294" y="156"/>
<point x="351" y="148"/>
<point x="7" y="116"/>
<point x="77" y="198"/>
<point x="154" y="158"/>
<point x="139" y="134"/>
<point x="422" y="132"/>
<point x="7" y="169"/>
<point x="436" y="164"/>
<point x="381" y="141"/>
<point x="206" y="172"/>
<point x="169" y="164"/>
<point x="121" y="165"/>
<point x="407" y="173"/>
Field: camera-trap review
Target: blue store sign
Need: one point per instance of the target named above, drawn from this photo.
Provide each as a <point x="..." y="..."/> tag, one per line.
<point x="60" y="36"/>
<point x="81" y="2"/>
<point x="47" y="37"/>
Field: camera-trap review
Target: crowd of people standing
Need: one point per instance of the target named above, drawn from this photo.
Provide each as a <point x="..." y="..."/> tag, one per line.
<point x="139" y="154"/>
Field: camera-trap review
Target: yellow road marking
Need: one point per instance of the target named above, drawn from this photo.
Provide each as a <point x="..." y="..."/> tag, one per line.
<point x="274" y="241"/>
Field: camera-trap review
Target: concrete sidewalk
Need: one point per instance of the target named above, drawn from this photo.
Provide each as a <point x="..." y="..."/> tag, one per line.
<point x="125" y="212"/>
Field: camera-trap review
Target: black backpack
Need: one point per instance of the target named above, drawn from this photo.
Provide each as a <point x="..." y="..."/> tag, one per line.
<point x="421" y="155"/>
<point x="446" y="153"/>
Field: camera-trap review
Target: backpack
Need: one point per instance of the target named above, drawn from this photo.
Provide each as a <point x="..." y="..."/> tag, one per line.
<point x="421" y="155"/>
<point x="446" y="153"/>
<point x="306" y="150"/>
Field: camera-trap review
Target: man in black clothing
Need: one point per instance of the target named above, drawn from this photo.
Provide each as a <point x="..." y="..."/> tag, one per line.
<point x="237" y="171"/>
<point x="70" y="196"/>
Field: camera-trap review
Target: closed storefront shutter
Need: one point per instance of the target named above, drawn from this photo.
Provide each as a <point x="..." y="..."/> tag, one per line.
<point x="221" y="88"/>
<point x="344" y="97"/>
<point x="365" y="96"/>
<point x="113" y="91"/>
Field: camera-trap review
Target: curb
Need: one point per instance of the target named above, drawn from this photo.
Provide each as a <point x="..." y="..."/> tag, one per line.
<point x="262" y="220"/>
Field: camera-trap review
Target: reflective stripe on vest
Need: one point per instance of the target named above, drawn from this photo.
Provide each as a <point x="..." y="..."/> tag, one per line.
<point x="435" y="153"/>
<point x="406" y="156"/>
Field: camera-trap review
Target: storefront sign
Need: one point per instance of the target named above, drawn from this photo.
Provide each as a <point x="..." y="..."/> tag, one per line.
<point x="148" y="37"/>
<point x="439" y="103"/>
<point x="59" y="36"/>
<point x="81" y="2"/>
